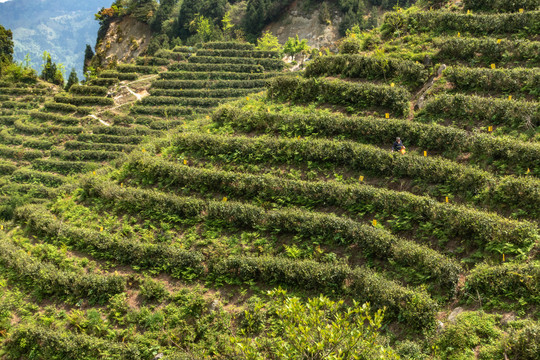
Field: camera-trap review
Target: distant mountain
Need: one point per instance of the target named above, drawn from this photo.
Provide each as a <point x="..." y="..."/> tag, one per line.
<point x="61" y="27"/>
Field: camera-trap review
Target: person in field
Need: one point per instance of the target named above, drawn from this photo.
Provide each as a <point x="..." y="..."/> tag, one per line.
<point x="398" y="146"/>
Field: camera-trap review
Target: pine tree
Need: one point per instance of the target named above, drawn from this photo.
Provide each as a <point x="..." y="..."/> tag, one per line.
<point x="88" y="55"/>
<point x="72" y="80"/>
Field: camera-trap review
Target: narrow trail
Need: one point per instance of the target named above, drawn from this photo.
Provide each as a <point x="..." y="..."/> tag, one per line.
<point x="98" y="119"/>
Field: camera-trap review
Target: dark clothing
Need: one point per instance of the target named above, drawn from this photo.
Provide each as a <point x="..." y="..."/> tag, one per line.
<point x="397" y="146"/>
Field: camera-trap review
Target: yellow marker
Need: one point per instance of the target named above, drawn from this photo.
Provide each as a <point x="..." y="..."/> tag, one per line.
<point x="392" y="84"/>
<point x="493" y="66"/>
<point x="490" y="128"/>
<point x="121" y="184"/>
<point x="320" y="53"/>
<point x="298" y="137"/>
<point x="184" y="124"/>
<point x="93" y="172"/>
<point x="207" y="117"/>
<point x="225" y="199"/>
<point x="387" y="115"/>
<point x="425" y="153"/>
<point x="143" y="150"/>
<point x="528" y="170"/>
<point x="374" y="222"/>
<point x="503" y="257"/>
<point x="208" y="131"/>
<point x="247" y="98"/>
<point x="499" y="41"/>
<point x="521" y="10"/>
<point x="430" y="8"/>
<point x="509" y="97"/>
<point x="185" y="162"/>
<point x="468" y="12"/>
<point x="361" y="178"/>
<point x="458" y="34"/>
<point x="447" y="199"/>
<point x="1" y="227"/>
<point x="101" y="228"/>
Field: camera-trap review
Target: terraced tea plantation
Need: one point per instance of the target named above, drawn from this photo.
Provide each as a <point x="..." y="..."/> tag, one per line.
<point x="176" y="207"/>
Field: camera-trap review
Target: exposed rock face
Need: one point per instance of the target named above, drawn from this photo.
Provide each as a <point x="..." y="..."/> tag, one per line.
<point x="126" y="39"/>
<point x="307" y="26"/>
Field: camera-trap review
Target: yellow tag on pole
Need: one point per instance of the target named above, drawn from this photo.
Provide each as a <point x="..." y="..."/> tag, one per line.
<point x="207" y="117"/>
<point x="528" y="170"/>
<point x="374" y="222"/>
<point x="320" y="53"/>
<point x="361" y="178"/>
<point x="490" y="128"/>
<point x="509" y="97"/>
<point x="425" y="153"/>
<point x="121" y="184"/>
<point x="521" y="10"/>
<point x="93" y="173"/>
<point x="392" y="84"/>
<point x="225" y="199"/>
<point x="458" y="34"/>
<point x="143" y="150"/>
<point x="185" y="162"/>
<point x="503" y="257"/>
<point x="446" y="199"/>
<point x="499" y="41"/>
<point x="387" y="115"/>
<point x="101" y="228"/>
<point x="1" y="227"/>
<point x="247" y="98"/>
<point x="468" y="12"/>
<point x="493" y="66"/>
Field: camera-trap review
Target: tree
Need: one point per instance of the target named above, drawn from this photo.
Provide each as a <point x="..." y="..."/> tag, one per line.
<point x="88" y="55"/>
<point x="163" y="13"/>
<point x="319" y="329"/>
<point x="268" y="42"/>
<point x="6" y="48"/>
<point x="52" y="72"/>
<point x="213" y="10"/>
<point x="295" y="46"/>
<point x="72" y="80"/>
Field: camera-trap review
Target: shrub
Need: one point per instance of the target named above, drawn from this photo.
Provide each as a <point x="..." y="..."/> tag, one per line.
<point x="88" y="90"/>
<point x="358" y="96"/>
<point x="268" y="64"/>
<point x="239" y="68"/>
<point x="228" y="45"/>
<point x="84" y="100"/>
<point x="501" y="5"/>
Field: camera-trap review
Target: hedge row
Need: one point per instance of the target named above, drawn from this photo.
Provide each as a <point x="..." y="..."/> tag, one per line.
<point x="88" y="90"/>
<point x="19" y="153"/>
<point x="82" y="155"/>
<point x="35" y="191"/>
<point x="228" y="45"/>
<point x="118" y="75"/>
<point x="415" y="308"/>
<point x="33" y="176"/>
<point x="268" y="64"/>
<point x="22" y="91"/>
<point x="184" y="49"/>
<point x="137" y="69"/>
<point x="368" y="67"/>
<point x="8" y="120"/>
<point x="476" y="227"/>
<point x="113" y="139"/>
<point x="239" y="68"/>
<point x="494" y="80"/>
<point x="513" y="280"/>
<point x="21" y="104"/>
<point x="374" y="241"/>
<point x="153" y="61"/>
<point x="104" y="82"/>
<point x="501" y="5"/>
<point x="239" y="53"/>
<point x="470" y="109"/>
<point x="358" y="96"/>
<point x="512" y="192"/>
<point x="373" y="130"/>
<point x="37" y="144"/>
<point x="121" y="130"/>
<point x="488" y="49"/>
<point x="208" y="84"/>
<point x="169" y="54"/>
<point x="169" y="258"/>
<point x="162" y="110"/>
<point x="84" y="100"/>
<point x="56" y="118"/>
<point x="64" y="167"/>
<point x="204" y="93"/>
<point x="49" y="280"/>
<point x="31" y="129"/>
<point x="477" y="24"/>
<point x="183" y="101"/>
<point x="78" y="145"/>
<point x="32" y="341"/>
<point x="6" y="168"/>
<point x="215" y="75"/>
<point x="67" y="108"/>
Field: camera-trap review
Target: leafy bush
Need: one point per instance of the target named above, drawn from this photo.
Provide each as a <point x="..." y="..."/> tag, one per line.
<point x="201" y="93"/>
<point x="215" y="75"/>
<point x="88" y="90"/>
<point x="183" y="101"/>
<point x="358" y="96"/>
<point x="240" y="68"/>
<point x="368" y="67"/>
<point x="268" y="64"/>
<point x="255" y="54"/>
<point x="208" y="84"/>
<point x="67" y="108"/>
<point x="478" y="110"/>
<point x="137" y="69"/>
<point x="84" y="100"/>
<point x="501" y="5"/>
<point x="228" y="45"/>
<point x="161" y="110"/>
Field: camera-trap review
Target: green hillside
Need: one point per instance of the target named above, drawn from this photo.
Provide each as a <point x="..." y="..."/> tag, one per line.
<point x="207" y="202"/>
